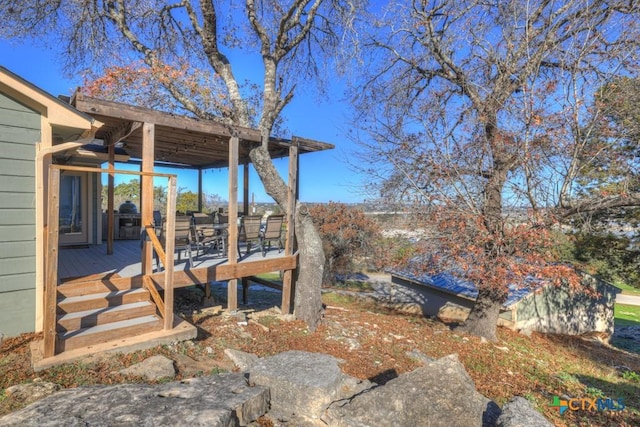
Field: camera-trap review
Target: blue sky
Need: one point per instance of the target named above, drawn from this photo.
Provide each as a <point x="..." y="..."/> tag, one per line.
<point x="324" y="176"/>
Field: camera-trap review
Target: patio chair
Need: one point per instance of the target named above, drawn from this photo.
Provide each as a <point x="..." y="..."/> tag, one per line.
<point x="183" y="238"/>
<point x="206" y="235"/>
<point x="249" y="231"/>
<point x="272" y="231"/>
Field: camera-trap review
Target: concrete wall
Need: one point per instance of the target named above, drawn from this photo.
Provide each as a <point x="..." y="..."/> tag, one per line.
<point x="565" y="311"/>
<point x="19" y="132"/>
<point x="436" y="303"/>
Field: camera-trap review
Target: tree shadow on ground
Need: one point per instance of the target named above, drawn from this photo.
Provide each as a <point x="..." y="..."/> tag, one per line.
<point x="598" y="352"/>
<point x="597" y="388"/>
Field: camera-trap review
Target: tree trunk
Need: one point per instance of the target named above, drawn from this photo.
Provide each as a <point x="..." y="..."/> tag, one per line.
<point x="483" y="318"/>
<point x="308" y="297"/>
<point x="307" y="305"/>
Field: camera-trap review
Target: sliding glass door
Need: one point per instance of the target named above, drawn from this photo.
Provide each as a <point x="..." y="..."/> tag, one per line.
<point x="73" y="208"/>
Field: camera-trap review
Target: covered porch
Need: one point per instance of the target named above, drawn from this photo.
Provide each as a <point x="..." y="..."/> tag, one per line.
<point x="115" y="269"/>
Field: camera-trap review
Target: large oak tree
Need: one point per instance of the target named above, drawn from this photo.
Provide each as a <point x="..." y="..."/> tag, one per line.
<point x="188" y="51"/>
<point x="483" y="113"/>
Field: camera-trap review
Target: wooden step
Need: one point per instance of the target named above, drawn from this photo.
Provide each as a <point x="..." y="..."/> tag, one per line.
<point x="99" y="316"/>
<point x="107" y="332"/>
<point x="101" y="300"/>
<point x="79" y="288"/>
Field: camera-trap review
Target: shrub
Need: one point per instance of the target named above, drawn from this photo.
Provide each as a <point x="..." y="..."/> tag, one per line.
<point x="347" y="237"/>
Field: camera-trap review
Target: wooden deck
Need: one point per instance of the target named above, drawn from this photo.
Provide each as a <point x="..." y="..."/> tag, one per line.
<point x="92" y="260"/>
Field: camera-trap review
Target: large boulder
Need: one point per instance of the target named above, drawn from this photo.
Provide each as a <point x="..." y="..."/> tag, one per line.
<point x="303" y="384"/>
<point x="222" y="400"/>
<point x="518" y="412"/>
<point x="439" y="394"/>
<point x="152" y="369"/>
<point x="294" y="388"/>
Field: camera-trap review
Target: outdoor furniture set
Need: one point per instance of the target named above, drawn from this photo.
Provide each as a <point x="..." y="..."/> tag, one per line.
<point x="201" y="231"/>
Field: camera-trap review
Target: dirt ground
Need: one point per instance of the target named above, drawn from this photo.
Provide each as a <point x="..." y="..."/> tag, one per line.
<point x="375" y="343"/>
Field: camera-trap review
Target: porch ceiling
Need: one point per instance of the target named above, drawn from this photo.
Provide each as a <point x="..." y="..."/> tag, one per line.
<point x="181" y="140"/>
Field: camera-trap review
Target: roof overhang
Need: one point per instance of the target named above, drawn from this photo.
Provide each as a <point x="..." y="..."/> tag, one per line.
<point x="67" y="123"/>
<point x="182" y="141"/>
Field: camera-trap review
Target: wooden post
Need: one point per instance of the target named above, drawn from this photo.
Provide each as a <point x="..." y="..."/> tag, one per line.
<point x="245" y="190"/>
<point x="146" y="193"/>
<point x="288" y="281"/>
<point x="199" y="189"/>
<point x="232" y="247"/>
<point x="245" y="290"/>
<point x="51" y="279"/>
<point x="169" y="250"/>
<point x="110" y="197"/>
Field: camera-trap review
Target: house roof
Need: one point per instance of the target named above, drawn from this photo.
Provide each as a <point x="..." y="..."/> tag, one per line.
<point x="463" y="288"/>
<point x="67" y="123"/>
<point x="180" y="140"/>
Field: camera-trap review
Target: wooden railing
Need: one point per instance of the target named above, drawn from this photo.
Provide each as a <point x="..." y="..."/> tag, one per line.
<point x="52" y="237"/>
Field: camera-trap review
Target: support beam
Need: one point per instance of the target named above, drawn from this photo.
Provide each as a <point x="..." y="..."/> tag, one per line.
<point x="51" y="279"/>
<point x="232" y="246"/>
<point x="245" y="190"/>
<point x="169" y="250"/>
<point x="200" y="190"/>
<point x="146" y="193"/>
<point x="122" y="132"/>
<point x="245" y="290"/>
<point x="110" y="197"/>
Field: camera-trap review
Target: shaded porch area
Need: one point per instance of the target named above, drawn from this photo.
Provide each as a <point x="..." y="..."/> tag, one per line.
<point x="91" y="262"/>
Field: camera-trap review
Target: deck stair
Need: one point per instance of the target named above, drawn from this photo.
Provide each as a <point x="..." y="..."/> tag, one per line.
<point x="96" y="311"/>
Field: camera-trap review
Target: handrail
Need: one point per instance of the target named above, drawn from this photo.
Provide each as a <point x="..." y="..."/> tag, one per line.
<point x="116" y="171"/>
<point x="157" y="246"/>
<point x="155" y="295"/>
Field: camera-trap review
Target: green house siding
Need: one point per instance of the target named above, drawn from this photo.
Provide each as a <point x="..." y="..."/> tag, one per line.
<point x="19" y="132"/>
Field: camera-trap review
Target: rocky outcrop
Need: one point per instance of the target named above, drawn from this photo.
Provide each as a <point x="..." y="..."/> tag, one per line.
<point x="433" y="395"/>
<point x="294" y="388"/>
<point x="219" y="401"/>
<point x="303" y="384"/>
<point x="152" y="369"/>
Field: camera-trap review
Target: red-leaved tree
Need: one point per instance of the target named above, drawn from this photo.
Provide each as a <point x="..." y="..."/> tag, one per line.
<point x="482" y="115"/>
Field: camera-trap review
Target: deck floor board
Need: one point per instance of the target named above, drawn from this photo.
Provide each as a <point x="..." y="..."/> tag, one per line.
<point x="126" y="260"/>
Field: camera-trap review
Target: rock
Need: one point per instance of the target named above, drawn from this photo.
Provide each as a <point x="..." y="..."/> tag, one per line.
<point x="152" y="369"/>
<point x="218" y="401"/>
<point x="242" y="360"/>
<point x="301" y="389"/>
<point x="31" y="392"/>
<point x="190" y="367"/>
<point x="303" y="383"/>
<point x="432" y="395"/>
<point x="419" y="356"/>
<point x="518" y="412"/>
